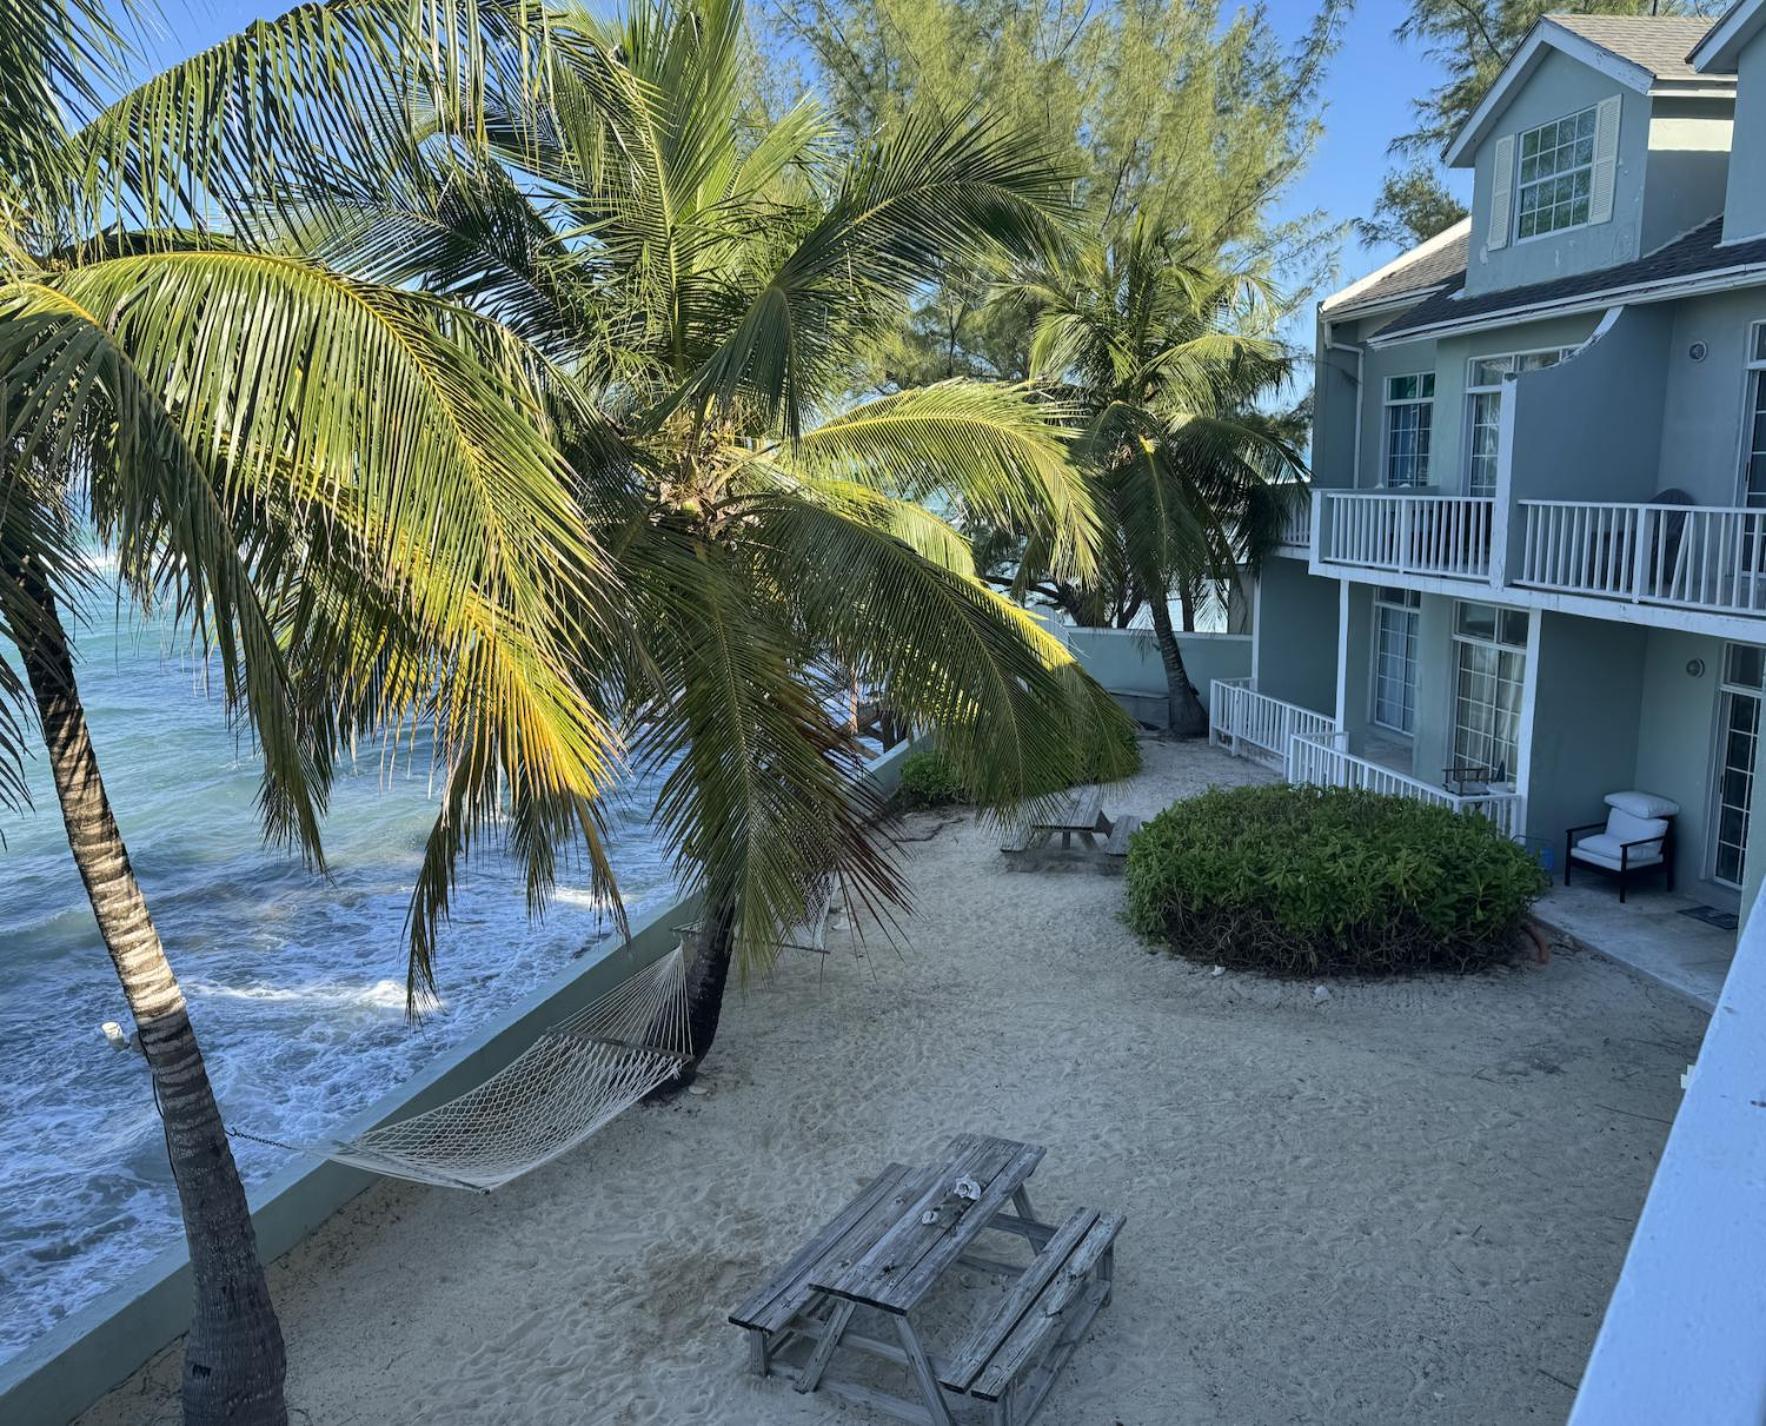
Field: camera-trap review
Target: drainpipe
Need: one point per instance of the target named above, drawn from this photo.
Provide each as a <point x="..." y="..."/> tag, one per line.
<point x="1331" y="344"/>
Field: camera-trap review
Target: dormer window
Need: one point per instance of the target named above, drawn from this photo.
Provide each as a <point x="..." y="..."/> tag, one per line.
<point x="1556" y="175"/>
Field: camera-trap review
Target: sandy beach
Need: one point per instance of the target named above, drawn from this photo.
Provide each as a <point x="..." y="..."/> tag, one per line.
<point x="1406" y="1202"/>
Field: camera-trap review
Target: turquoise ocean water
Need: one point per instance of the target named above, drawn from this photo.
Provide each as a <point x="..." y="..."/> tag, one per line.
<point x="296" y="983"/>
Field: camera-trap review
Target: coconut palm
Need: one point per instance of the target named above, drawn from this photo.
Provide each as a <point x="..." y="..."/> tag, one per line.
<point x="345" y="495"/>
<point x="710" y="279"/>
<point x="1165" y="361"/>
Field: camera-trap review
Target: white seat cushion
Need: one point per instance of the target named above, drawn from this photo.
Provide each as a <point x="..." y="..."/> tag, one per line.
<point x="1603" y="849"/>
<point x="1643" y="804"/>
<point x="1607" y="848"/>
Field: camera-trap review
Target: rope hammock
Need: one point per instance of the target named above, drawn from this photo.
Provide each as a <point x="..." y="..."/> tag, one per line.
<point x="580" y="1074"/>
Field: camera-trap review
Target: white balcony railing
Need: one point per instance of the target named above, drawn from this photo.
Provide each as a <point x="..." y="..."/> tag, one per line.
<point x="1446" y="535"/>
<point x="1688" y="556"/>
<point x="1297" y="518"/>
<point x="1253" y="725"/>
<point x="1321" y="760"/>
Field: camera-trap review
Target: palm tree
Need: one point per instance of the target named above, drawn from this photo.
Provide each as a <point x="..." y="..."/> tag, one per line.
<point x="710" y="279"/>
<point x="1165" y="362"/>
<point x="346" y="495"/>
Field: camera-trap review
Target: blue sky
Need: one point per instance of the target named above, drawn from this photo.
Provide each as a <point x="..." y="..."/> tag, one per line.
<point x="1368" y="94"/>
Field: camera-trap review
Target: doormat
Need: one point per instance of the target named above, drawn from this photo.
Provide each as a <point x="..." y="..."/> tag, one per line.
<point x="1711" y="916"/>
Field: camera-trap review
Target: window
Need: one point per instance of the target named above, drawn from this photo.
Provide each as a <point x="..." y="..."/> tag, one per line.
<point x="1484" y="409"/>
<point x="1410" y="412"/>
<point x="1753" y="455"/>
<point x="1395" y="641"/>
<point x="1490" y="672"/>
<point x="1557" y="175"/>
<point x="1738" y="731"/>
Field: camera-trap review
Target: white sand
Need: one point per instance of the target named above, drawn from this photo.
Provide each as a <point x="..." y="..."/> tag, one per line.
<point x="1405" y="1203"/>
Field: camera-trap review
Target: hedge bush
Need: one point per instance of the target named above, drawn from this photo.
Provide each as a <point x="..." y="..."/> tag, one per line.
<point x="1304" y="881"/>
<point x="930" y="779"/>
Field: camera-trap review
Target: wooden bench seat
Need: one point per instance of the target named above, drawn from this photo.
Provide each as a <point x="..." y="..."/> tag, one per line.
<point x="1020" y="1347"/>
<point x="1120" y="831"/>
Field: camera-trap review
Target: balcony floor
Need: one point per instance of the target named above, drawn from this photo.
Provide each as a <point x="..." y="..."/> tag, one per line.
<point x="1647" y="933"/>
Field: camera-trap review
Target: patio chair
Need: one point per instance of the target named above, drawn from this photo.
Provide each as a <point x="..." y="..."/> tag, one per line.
<point x="1637" y="837"/>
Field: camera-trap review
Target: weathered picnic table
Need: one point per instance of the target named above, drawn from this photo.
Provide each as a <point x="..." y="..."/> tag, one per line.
<point x="883" y="1254"/>
<point x="1079" y="813"/>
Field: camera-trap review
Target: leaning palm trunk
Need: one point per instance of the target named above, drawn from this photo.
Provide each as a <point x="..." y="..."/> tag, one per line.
<point x="233" y="1358"/>
<point x="707" y="979"/>
<point x="1184" y="709"/>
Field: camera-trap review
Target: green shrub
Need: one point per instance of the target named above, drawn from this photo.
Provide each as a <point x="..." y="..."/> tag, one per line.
<point x="1302" y="881"/>
<point x="928" y="780"/>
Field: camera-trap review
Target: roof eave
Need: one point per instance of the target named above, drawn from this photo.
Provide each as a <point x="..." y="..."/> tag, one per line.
<point x="1752" y="274"/>
<point x="1544" y="34"/>
<point x="1720" y="49"/>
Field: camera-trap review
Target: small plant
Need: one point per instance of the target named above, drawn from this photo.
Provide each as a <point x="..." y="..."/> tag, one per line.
<point x="928" y="779"/>
<point x="1303" y="881"/>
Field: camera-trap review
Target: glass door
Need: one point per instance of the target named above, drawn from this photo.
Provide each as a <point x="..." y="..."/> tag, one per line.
<point x="1738" y="735"/>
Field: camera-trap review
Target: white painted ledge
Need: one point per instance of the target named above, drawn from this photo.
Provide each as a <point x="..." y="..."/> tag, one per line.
<point x="1684" y="1339"/>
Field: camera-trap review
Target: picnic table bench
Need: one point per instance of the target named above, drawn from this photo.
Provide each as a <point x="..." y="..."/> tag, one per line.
<point x="1080" y="813"/>
<point x="885" y="1251"/>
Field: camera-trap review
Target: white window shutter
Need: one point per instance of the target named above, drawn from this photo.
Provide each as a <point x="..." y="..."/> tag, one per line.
<point x="1606" y="161"/>
<point x="1502" y="191"/>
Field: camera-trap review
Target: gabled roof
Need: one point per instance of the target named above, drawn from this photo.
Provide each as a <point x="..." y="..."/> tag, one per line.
<point x="1721" y="47"/>
<point x="1645" y="53"/>
<point x="1698" y="261"/>
<point x="1414" y="274"/>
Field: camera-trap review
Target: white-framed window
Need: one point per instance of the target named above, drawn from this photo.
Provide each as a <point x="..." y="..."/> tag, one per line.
<point x="1738" y="735"/>
<point x="1753" y="437"/>
<point x="1484" y="376"/>
<point x="1490" y="673"/>
<point x="1410" y="417"/>
<point x="1556" y="179"/>
<point x="1395" y="659"/>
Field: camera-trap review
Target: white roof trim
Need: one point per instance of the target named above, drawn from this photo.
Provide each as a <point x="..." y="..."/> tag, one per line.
<point x="1546" y="33"/>
<point x="1722" y="45"/>
<point x="1441" y="239"/>
<point x="1750" y="274"/>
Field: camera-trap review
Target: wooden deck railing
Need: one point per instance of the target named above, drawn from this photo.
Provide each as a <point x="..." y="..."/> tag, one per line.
<point x="1445" y="535"/>
<point x="1253" y="725"/>
<point x="1322" y="760"/>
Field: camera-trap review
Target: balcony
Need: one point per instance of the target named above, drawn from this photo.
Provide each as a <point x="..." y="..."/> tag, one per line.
<point x="1700" y="557"/>
<point x="1443" y="535"/>
<point x="1296" y="527"/>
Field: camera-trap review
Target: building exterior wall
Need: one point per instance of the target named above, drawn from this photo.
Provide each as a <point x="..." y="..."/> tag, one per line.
<point x="1296" y="634"/>
<point x="1688" y="170"/>
<point x="1560" y="86"/>
<point x="1744" y="206"/>
<point x="1705" y="401"/>
<point x="1676" y="730"/>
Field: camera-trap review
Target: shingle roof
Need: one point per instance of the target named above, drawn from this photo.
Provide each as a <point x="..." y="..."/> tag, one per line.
<point x="1688" y="256"/>
<point x="1659" y="43"/>
<point x="1424" y="267"/>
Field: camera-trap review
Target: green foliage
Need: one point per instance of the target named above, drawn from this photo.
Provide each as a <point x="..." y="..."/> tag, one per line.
<point x="1303" y="881"/>
<point x="1413" y="206"/>
<point x="928" y="780"/>
<point x="1192" y="105"/>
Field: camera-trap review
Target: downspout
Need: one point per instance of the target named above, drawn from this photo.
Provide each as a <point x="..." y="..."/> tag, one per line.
<point x="1359" y="352"/>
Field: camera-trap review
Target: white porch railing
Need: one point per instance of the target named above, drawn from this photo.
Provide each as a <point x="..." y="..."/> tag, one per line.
<point x="1446" y="535"/>
<point x="1253" y="725"/>
<point x="1688" y="556"/>
<point x="1322" y="760"/>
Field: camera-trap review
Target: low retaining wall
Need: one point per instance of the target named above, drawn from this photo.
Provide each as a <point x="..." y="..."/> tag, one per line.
<point x="1127" y="663"/>
<point x="92" y="1350"/>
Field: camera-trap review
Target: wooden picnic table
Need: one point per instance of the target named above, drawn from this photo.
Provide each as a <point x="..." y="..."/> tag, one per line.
<point x="884" y="1253"/>
<point x="1079" y="813"/>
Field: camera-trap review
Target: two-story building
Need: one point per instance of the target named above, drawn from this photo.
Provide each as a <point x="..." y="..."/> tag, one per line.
<point x="1533" y="567"/>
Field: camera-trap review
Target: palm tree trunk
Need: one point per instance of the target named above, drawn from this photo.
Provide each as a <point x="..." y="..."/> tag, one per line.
<point x="233" y="1357"/>
<point x="1184" y="709"/>
<point x="707" y="979"/>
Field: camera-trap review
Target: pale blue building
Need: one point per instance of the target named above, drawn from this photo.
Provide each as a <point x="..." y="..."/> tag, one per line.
<point x="1532" y="572"/>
